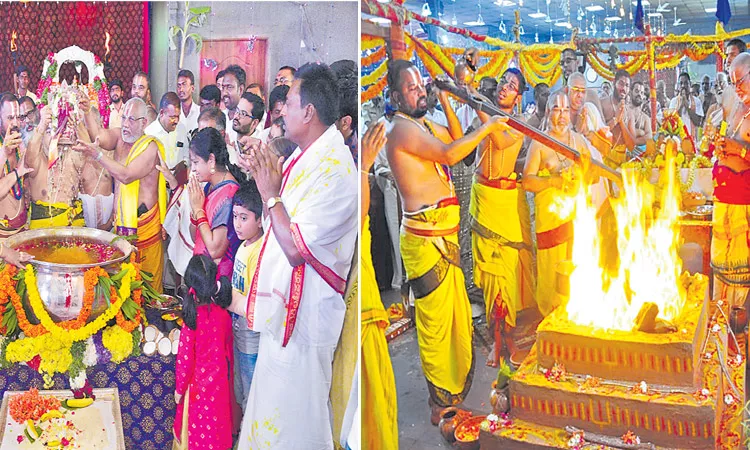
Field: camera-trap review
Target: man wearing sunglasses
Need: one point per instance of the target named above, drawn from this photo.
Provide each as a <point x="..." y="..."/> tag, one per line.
<point x="729" y="245"/>
<point x="499" y="217"/>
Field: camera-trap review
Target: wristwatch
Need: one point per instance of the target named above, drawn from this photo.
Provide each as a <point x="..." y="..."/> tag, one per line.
<point x="273" y="201"/>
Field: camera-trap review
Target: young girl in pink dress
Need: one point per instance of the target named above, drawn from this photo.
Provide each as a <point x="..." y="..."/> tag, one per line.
<point x="203" y="373"/>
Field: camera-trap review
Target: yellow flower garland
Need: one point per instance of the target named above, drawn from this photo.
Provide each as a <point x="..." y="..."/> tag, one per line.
<point x="376" y="74"/>
<point x="35" y="301"/>
<point x="368" y="42"/>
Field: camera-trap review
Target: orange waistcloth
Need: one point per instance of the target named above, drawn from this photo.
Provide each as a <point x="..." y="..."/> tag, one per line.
<point x="149" y="245"/>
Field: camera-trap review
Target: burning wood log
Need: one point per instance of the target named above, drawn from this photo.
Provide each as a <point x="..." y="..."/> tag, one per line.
<point x="646" y="318"/>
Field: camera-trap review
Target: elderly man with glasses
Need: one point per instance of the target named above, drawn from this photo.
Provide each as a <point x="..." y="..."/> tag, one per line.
<point x="141" y="190"/>
<point x="730" y="252"/>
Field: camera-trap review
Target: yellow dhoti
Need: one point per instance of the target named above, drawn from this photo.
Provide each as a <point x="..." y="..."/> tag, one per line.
<point x="429" y="248"/>
<point x="554" y="239"/>
<point x="146" y="226"/>
<point x="149" y="245"/>
<point x="380" y="423"/>
<point x="345" y="355"/>
<point x="730" y="252"/>
<point x="49" y="215"/>
<point x="497" y="241"/>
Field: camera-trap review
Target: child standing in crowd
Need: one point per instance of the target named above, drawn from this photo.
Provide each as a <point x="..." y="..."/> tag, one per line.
<point x="203" y="373"/>
<point x="247" y="207"/>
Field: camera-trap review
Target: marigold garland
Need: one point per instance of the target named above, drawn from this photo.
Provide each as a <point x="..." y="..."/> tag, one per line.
<point x="368" y="42"/>
<point x="372" y="58"/>
<point x="35" y="301"/>
<point x="374" y="90"/>
<point x="130" y="325"/>
<point x="50" y="343"/>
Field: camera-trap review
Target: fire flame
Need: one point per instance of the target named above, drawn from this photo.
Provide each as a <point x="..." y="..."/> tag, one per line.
<point x="106" y="44"/>
<point x="647" y="244"/>
<point x="13" y="37"/>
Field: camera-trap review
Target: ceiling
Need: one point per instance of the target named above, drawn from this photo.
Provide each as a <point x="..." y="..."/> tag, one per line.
<point x="692" y="15"/>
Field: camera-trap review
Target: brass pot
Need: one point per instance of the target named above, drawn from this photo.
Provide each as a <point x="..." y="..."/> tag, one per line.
<point x="499" y="399"/>
<point x="448" y="423"/>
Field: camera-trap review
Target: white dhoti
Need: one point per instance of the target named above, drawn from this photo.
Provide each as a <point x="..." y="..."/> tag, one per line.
<point x="177" y="225"/>
<point x="288" y="399"/>
<point x="300" y="310"/>
<point x="97" y="209"/>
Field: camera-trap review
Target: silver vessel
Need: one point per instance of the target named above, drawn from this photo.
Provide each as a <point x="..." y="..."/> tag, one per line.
<point x="61" y="286"/>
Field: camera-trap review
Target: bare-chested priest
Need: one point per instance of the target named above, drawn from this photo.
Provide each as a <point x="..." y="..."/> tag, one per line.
<point x="550" y="176"/>
<point x="140" y="190"/>
<point x="503" y="260"/>
<point x="730" y="251"/>
<point x="54" y="185"/>
<point x="419" y="153"/>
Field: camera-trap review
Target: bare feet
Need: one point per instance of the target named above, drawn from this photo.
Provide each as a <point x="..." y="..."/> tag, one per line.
<point x="435" y="411"/>
<point x="493" y="358"/>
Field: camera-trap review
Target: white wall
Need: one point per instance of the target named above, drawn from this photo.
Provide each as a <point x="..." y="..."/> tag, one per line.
<point x="334" y="28"/>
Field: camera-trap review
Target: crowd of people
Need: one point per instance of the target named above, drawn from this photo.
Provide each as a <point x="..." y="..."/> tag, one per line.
<point x="518" y="237"/>
<point x="224" y="198"/>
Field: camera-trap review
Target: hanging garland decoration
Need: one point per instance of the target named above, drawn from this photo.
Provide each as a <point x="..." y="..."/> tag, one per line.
<point x="374" y="90"/>
<point x="429" y="56"/>
<point x="369" y="42"/>
<point x="374" y="57"/>
<point x="376" y="74"/>
<point x="540" y="68"/>
<point x="494" y="67"/>
<point x="377" y="87"/>
<point x="436" y="51"/>
<point x="602" y="68"/>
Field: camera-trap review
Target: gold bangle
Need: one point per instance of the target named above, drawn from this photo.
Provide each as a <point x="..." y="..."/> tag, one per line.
<point x="363" y="172"/>
<point x="743" y="153"/>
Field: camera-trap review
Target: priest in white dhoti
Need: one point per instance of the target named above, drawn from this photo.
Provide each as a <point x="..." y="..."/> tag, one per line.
<point x="295" y="298"/>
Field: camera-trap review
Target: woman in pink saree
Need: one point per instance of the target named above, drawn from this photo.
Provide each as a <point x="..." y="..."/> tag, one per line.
<point x="212" y="205"/>
<point x="204" y="391"/>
